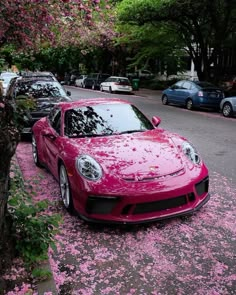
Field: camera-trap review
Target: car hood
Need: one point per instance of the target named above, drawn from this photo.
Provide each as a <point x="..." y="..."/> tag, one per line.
<point x="140" y="155"/>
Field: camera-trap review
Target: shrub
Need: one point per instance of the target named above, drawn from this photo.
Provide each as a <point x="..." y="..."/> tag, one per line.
<point x="33" y="227"/>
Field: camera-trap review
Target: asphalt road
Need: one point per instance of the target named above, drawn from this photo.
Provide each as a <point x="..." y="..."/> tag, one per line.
<point x="192" y="255"/>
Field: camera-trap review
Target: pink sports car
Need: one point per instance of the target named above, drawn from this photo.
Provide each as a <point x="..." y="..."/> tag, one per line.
<point x="114" y="165"/>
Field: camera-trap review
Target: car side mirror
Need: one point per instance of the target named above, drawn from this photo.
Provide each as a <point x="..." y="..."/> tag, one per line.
<point x="68" y="93"/>
<point x="47" y="133"/>
<point x="156" y="121"/>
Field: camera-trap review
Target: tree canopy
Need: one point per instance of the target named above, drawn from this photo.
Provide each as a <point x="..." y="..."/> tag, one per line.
<point x="205" y="27"/>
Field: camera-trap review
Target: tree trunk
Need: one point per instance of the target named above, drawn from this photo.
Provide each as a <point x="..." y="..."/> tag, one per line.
<point x="9" y="138"/>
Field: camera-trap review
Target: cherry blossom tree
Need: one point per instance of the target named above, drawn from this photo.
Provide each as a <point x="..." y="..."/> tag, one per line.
<point x="29" y="24"/>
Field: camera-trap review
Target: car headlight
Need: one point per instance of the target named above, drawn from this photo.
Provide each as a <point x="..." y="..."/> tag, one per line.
<point x="88" y="167"/>
<point x="191" y="153"/>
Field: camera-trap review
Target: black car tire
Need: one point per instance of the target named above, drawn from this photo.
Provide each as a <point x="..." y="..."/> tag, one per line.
<point x="110" y="89"/>
<point x="65" y="189"/>
<point x="165" y="100"/>
<point x="227" y="110"/>
<point x="189" y="104"/>
<point x="93" y="86"/>
<point x="35" y="152"/>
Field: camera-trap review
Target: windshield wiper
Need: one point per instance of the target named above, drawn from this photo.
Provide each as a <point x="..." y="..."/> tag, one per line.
<point x="132" y="131"/>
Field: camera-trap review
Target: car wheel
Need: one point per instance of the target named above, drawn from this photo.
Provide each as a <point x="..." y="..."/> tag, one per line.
<point x="189" y="104"/>
<point x="101" y="88"/>
<point x="35" y="152"/>
<point x="110" y="90"/>
<point x="227" y="110"/>
<point x="165" y="100"/>
<point x="65" y="189"/>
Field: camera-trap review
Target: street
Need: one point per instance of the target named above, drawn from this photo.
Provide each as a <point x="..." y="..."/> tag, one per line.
<point x="187" y="255"/>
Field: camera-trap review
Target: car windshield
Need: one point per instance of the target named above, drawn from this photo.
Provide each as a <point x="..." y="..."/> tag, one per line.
<point x="7" y="78"/>
<point x="105" y="119"/>
<point x="39" y="89"/>
<point x="205" y="84"/>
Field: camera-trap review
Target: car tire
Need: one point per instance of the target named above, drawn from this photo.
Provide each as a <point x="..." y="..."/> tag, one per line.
<point x="65" y="189"/>
<point x="93" y="87"/>
<point x="189" y="104"/>
<point x="110" y="90"/>
<point x="35" y="152"/>
<point x="227" y="110"/>
<point x="101" y="88"/>
<point x="165" y="100"/>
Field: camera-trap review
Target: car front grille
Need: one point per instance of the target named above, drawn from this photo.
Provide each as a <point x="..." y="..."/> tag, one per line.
<point x="160" y="205"/>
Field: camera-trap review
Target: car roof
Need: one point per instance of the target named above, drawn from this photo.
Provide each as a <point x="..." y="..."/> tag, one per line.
<point x="91" y="102"/>
<point x="35" y="79"/>
<point x="8" y="74"/>
<point x="38" y="74"/>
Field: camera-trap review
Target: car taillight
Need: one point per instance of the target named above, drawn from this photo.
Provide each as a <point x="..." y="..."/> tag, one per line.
<point x="200" y="93"/>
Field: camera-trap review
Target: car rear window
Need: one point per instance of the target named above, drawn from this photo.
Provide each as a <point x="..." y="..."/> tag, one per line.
<point x="205" y="84"/>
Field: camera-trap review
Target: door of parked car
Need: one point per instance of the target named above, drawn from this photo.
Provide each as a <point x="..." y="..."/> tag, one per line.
<point x="187" y="91"/>
<point x="176" y="92"/>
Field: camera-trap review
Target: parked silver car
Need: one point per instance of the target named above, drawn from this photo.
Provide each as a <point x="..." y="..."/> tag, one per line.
<point x="228" y="106"/>
<point x="116" y="84"/>
<point x="79" y="82"/>
<point x="5" y="78"/>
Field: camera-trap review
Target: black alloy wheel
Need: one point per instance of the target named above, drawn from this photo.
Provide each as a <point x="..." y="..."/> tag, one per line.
<point x="227" y="110"/>
<point x="65" y="189"/>
<point x="165" y="100"/>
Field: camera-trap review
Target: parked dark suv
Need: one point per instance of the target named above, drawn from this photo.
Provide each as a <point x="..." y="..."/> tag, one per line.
<point x="44" y="92"/>
<point x="94" y="80"/>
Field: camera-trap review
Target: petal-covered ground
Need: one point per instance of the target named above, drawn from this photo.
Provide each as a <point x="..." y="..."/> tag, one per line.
<point x="189" y="255"/>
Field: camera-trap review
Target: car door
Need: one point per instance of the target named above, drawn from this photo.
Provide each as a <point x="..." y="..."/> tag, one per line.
<point x="52" y="140"/>
<point x="175" y="92"/>
<point x="184" y="93"/>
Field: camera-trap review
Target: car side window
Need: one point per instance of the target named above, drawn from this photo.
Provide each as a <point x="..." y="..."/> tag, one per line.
<point x="10" y="91"/>
<point x="186" y="85"/>
<point x="55" y="119"/>
<point x="177" y="85"/>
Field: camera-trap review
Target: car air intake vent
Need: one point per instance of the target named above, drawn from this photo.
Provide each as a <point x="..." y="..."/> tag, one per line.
<point x="151" y="178"/>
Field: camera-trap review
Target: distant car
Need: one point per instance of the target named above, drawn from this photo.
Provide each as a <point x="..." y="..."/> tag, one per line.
<point x="43" y="91"/>
<point x="193" y="94"/>
<point x="116" y="84"/>
<point x="79" y="82"/>
<point x="228" y="83"/>
<point x="5" y="78"/>
<point x="115" y="165"/>
<point x="94" y="80"/>
<point x="142" y="74"/>
<point x="228" y="106"/>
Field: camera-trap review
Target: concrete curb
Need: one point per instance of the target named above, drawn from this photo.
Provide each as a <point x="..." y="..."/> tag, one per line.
<point x="49" y="284"/>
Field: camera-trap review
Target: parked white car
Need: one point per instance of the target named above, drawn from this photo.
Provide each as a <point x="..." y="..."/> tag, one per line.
<point x="228" y="106"/>
<point x="116" y="84"/>
<point x="80" y="81"/>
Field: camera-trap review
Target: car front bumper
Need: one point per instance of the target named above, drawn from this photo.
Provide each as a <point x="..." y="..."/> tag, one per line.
<point x="149" y="203"/>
